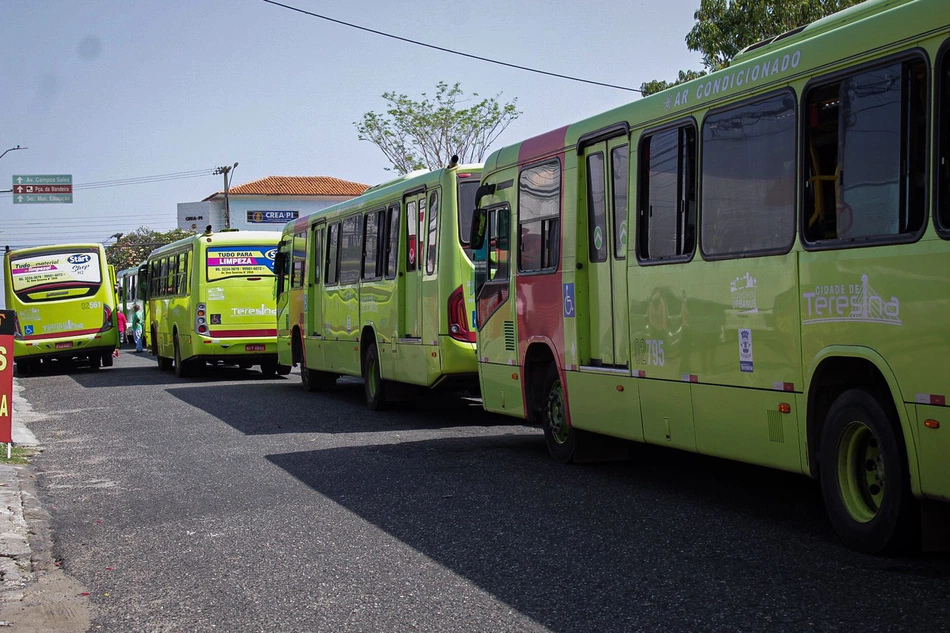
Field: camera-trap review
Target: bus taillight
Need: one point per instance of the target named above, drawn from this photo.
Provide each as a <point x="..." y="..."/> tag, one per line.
<point x="458" y="318"/>
<point x="106" y="319"/>
<point x="201" y="323"/>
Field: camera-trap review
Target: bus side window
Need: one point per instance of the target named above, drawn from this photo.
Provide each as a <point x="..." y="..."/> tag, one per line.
<point x="865" y="154"/>
<point x="392" y="246"/>
<point x="539" y="217"/>
<point x="333" y="260"/>
<point x="433" y="232"/>
<point x="667" y="216"/>
<point x="412" y="245"/>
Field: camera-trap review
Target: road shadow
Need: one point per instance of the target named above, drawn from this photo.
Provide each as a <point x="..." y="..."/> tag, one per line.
<point x="341" y="409"/>
<point x="666" y="541"/>
<point x="123" y="374"/>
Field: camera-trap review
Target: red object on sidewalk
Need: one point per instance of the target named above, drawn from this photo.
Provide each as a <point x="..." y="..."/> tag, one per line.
<point x="7" y="318"/>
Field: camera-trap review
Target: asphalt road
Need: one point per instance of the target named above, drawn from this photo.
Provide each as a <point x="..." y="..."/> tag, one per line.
<point x="234" y="503"/>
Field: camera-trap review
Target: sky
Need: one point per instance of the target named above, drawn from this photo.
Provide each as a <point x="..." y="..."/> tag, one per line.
<point x="111" y="90"/>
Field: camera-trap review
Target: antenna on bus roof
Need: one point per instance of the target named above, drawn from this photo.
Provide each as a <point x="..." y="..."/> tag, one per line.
<point x="208" y="230"/>
<point x="454" y="162"/>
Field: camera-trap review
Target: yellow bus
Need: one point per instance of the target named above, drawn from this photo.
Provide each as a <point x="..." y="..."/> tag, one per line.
<point x="211" y="300"/>
<point x="380" y="286"/>
<point x="64" y="300"/>
<point x="752" y="265"/>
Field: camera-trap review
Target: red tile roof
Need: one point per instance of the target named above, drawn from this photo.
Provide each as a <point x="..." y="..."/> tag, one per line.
<point x="296" y="186"/>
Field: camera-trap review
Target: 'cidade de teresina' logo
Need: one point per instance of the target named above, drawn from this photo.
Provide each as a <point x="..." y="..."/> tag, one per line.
<point x="850" y="303"/>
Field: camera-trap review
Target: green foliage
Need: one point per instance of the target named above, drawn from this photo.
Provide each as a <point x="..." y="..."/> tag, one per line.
<point x="132" y="249"/>
<point x="426" y="134"/>
<point x="650" y="87"/>
<point x="725" y="27"/>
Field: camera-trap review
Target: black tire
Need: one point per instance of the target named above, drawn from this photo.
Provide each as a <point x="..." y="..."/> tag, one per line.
<point x="283" y="370"/>
<point x="107" y="359"/>
<point x="865" y="479"/>
<point x="95" y="361"/>
<point x="25" y="367"/>
<point x="269" y="368"/>
<point x="559" y="435"/>
<point x="182" y="367"/>
<point x="313" y="380"/>
<point x="373" y="384"/>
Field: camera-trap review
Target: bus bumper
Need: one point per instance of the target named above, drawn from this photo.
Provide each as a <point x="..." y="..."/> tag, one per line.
<point x="65" y="346"/>
<point x="235" y="350"/>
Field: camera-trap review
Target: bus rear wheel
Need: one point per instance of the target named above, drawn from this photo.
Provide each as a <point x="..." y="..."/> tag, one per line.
<point x="26" y="367"/>
<point x="182" y="367"/>
<point x="313" y="380"/>
<point x="864" y="475"/>
<point x="269" y="368"/>
<point x="373" y="384"/>
<point x="107" y="359"/>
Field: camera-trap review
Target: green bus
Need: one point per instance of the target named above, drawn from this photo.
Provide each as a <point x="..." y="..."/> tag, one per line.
<point x="752" y="265"/>
<point x="211" y="300"/>
<point x="64" y="300"/>
<point x="380" y="286"/>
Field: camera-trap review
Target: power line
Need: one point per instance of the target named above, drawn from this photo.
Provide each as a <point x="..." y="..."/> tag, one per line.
<point x="449" y="50"/>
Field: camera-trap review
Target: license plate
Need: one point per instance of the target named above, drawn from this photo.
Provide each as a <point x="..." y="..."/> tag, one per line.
<point x="255" y="347"/>
<point x="64" y="345"/>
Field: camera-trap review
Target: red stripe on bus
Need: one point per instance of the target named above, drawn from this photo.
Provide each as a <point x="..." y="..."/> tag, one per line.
<point x="542" y="145"/>
<point x="242" y="333"/>
<point x="33" y="337"/>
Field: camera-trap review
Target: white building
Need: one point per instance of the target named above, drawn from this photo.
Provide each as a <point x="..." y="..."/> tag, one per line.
<point x="267" y="204"/>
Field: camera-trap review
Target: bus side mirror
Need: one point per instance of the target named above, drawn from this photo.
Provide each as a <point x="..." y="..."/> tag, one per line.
<point x="479" y="227"/>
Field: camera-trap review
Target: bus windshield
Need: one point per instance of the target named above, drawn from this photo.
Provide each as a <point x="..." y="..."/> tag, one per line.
<point x="56" y="274"/>
<point x="467" y="189"/>
<point x="225" y="262"/>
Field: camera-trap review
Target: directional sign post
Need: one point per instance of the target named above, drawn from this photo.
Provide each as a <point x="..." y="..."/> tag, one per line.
<point x="43" y="189"/>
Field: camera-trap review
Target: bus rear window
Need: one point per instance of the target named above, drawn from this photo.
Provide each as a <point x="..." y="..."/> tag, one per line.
<point x="56" y="274"/>
<point x="224" y="262"/>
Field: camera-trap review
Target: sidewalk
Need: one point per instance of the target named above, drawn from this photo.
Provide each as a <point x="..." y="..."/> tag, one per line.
<point x="35" y="595"/>
<point x="16" y="568"/>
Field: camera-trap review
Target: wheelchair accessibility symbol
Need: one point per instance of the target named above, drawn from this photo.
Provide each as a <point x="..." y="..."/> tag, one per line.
<point x="568" y="300"/>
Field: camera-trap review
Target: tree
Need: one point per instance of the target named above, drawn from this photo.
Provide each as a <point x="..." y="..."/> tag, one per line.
<point x="426" y="134"/>
<point x="725" y="27"/>
<point x="133" y="248"/>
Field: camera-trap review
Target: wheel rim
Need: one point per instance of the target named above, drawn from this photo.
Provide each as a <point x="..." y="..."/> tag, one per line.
<point x="861" y="475"/>
<point x="557" y="423"/>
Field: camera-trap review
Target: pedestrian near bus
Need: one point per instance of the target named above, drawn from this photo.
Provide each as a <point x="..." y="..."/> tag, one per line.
<point x="137" y="327"/>
<point x="123" y="325"/>
<point x="122" y="321"/>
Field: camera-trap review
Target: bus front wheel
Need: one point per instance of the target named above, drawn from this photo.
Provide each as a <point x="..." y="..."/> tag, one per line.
<point x="864" y="475"/>
<point x="373" y="383"/>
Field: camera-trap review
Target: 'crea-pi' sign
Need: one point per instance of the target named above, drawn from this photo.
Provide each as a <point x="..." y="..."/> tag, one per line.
<point x="7" y="318"/>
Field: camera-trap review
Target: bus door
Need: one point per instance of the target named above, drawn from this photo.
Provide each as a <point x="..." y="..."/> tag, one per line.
<point x="410" y="301"/>
<point x="605" y="164"/>
<point x="313" y="303"/>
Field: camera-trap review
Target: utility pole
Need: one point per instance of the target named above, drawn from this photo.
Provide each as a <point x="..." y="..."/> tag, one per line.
<point x="228" y="176"/>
